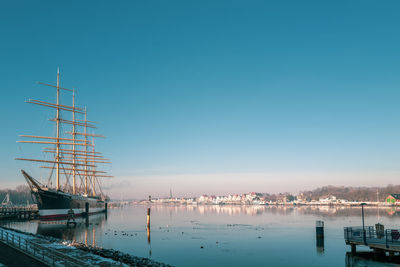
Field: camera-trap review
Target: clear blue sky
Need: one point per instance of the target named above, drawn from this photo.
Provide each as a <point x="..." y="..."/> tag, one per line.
<point x="212" y="96"/>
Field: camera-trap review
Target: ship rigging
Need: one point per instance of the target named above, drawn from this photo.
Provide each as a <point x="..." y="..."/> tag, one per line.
<point x="73" y="155"/>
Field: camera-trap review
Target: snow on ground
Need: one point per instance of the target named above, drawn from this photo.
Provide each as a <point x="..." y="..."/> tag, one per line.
<point x="55" y="251"/>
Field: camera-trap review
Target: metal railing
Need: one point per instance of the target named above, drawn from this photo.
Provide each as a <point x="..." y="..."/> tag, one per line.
<point x="369" y="236"/>
<point x="48" y="256"/>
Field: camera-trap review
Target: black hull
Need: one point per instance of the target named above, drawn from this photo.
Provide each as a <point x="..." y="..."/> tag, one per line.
<point x="58" y="205"/>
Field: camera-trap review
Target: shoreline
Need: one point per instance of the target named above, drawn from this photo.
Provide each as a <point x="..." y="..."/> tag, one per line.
<point x="352" y="204"/>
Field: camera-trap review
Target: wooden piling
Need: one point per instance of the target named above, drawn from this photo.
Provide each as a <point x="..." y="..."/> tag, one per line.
<point x="71" y="219"/>
<point x="148" y="225"/>
<point x="319" y="228"/>
<point x="87" y="209"/>
<point x="319" y="237"/>
<point x="353" y="249"/>
<point x="148" y="218"/>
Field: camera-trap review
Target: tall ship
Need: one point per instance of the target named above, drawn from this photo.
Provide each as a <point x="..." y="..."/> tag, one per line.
<point x="73" y="186"/>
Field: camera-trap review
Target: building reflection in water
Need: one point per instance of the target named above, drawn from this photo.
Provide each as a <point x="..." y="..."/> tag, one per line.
<point x="255" y="210"/>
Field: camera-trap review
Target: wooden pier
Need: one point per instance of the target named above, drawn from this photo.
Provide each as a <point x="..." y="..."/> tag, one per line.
<point x="380" y="240"/>
<point x="8" y="213"/>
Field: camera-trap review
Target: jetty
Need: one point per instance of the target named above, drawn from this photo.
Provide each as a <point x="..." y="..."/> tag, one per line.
<point x="7" y="213"/>
<point x="375" y="237"/>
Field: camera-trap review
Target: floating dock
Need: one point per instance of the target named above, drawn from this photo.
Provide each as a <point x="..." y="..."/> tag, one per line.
<point x="376" y="238"/>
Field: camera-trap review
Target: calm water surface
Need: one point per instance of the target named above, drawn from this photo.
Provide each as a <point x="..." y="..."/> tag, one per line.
<point x="229" y="235"/>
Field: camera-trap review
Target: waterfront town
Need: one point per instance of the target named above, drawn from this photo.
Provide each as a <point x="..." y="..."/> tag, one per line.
<point x="200" y="133"/>
<point x="254" y="198"/>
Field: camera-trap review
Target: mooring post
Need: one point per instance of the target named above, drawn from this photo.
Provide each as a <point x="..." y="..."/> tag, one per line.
<point x="148" y="217"/>
<point x="391" y="254"/>
<point x="353" y="249"/>
<point x="378" y="253"/>
<point x="87" y="209"/>
<point x="71" y="219"/>
<point x="363" y="224"/>
<point x="319" y="229"/>
<point x="148" y="225"/>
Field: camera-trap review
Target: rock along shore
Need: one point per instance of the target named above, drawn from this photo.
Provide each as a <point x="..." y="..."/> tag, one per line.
<point x="120" y="256"/>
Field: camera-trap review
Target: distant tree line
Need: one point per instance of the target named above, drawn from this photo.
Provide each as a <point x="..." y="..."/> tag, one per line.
<point x="20" y="195"/>
<point x="279" y="197"/>
<point x="352" y="193"/>
<point x="340" y="192"/>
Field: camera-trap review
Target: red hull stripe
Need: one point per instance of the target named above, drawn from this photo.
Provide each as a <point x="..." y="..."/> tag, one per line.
<point x="64" y="216"/>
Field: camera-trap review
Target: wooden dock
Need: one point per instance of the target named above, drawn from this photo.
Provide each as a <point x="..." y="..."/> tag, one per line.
<point x="9" y="213"/>
<point x="380" y="241"/>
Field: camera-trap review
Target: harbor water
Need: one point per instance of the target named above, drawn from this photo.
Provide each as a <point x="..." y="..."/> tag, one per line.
<point x="223" y="235"/>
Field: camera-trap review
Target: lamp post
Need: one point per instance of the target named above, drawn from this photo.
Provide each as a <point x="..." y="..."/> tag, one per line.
<point x="363" y="225"/>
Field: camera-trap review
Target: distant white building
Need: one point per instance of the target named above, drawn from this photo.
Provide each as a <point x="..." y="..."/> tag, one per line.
<point x="329" y="199"/>
<point x="203" y="198"/>
<point x="250" y="197"/>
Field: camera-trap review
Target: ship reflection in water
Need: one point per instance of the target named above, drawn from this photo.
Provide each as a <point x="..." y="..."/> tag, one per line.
<point x="224" y="235"/>
<point x="84" y="231"/>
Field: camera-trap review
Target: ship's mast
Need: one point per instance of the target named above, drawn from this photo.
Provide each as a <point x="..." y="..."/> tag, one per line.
<point x="71" y="160"/>
<point x="94" y="169"/>
<point x="58" y="132"/>
<point x="73" y="146"/>
<point x="86" y="154"/>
